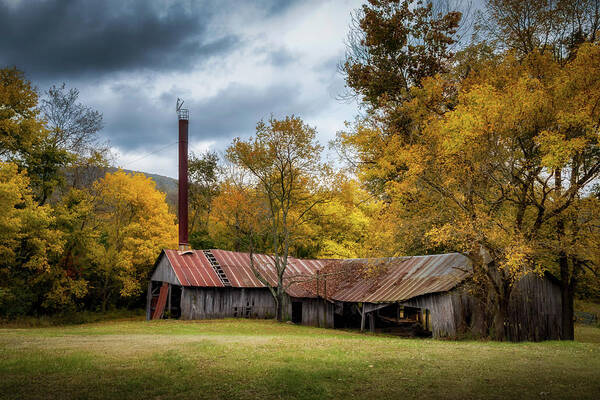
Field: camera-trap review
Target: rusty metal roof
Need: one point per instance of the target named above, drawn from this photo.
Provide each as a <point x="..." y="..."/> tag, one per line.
<point x="192" y="268"/>
<point x="355" y="280"/>
<point x="400" y="278"/>
<point x="239" y="272"/>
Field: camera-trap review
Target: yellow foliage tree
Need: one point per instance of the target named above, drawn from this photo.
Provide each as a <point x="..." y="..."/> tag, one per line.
<point x="133" y="224"/>
<point x="28" y="240"/>
<point x="498" y="160"/>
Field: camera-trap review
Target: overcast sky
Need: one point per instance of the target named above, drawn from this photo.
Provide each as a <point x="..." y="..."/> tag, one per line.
<point x="233" y="62"/>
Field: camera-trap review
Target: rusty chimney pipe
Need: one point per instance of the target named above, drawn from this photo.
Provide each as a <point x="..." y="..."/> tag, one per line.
<point x="183" y="117"/>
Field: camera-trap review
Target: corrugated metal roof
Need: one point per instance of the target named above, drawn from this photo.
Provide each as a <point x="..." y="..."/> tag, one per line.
<point x="355" y="280"/>
<point x="396" y="279"/>
<point x="192" y="268"/>
<point x="239" y="272"/>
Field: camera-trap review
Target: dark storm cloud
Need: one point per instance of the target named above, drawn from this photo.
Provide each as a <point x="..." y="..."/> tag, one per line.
<point x="60" y="39"/>
<point x="138" y="122"/>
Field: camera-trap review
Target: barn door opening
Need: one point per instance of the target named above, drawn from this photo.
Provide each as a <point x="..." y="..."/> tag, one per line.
<point x="297" y="312"/>
<point x="397" y="319"/>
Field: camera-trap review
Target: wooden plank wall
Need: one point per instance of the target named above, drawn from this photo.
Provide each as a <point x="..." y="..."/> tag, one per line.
<point x="534" y="312"/>
<point x="317" y="312"/>
<point x="207" y="303"/>
<point x="164" y="272"/>
<point x="444" y="314"/>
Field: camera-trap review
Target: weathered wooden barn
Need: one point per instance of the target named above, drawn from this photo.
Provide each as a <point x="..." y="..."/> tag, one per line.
<point x="420" y="295"/>
<point x="389" y="293"/>
<point x="203" y="284"/>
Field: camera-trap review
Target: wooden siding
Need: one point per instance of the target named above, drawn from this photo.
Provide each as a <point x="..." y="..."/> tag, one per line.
<point x="316" y="312"/>
<point x="207" y="303"/>
<point x="164" y="272"/>
<point x="534" y="312"/>
<point x="446" y="312"/>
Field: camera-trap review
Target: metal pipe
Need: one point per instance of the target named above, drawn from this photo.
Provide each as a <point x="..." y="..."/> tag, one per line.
<point x="183" y="182"/>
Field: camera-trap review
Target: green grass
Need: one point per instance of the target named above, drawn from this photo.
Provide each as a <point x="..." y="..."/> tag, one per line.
<point x="71" y="318"/>
<point x="245" y="359"/>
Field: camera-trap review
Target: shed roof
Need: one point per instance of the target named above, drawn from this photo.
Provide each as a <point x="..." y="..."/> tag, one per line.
<point x="192" y="268"/>
<point x="353" y="280"/>
<point x="395" y="279"/>
<point x="236" y="266"/>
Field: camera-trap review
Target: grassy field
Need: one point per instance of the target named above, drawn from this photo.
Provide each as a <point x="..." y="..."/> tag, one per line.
<point x="235" y="359"/>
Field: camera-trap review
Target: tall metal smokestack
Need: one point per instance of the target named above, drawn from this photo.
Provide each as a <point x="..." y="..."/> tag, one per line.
<point x="183" y="117"/>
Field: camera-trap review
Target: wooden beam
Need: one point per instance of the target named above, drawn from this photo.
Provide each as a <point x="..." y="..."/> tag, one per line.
<point x="362" y="318"/>
<point x="149" y="302"/>
<point x="169" y="300"/>
<point x="371" y="322"/>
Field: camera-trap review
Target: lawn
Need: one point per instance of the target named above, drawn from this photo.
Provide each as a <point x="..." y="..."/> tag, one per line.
<point x="246" y="359"/>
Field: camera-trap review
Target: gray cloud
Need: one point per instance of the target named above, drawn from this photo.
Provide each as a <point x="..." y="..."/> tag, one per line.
<point x="122" y="55"/>
<point x="56" y="39"/>
<point x="136" y="120"/>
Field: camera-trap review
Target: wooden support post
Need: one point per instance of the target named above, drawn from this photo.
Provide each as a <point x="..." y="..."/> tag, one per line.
<point x="362" y="318"/>
<point x="181" y="304"/>
<point x="426" y="319"/>
<point x="371" y="322"/>
<point x="169" y="300"/>
<point x="149" y="302"/>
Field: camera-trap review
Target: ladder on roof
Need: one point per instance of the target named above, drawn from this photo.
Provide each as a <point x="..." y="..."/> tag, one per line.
<point x="217" y="267"/>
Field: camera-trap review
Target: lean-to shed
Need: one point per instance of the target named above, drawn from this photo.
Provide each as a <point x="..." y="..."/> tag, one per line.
<point x="435" y="289"/>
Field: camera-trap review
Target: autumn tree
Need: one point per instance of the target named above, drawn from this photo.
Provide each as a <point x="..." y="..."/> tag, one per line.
<point x="74" y="129"/>
<point x="29" y="240"/>
<point x="132" y="224"/>
<point x="49" y="136"/>
<point x="556" y="28"/>
<point x="393" y="45"/>
<point x="342" y="226"/>
<point x="203" y="189"/>
<point x="239" y="219"/>
<point x="20" y="125"/>
<point x="284" y="161"/>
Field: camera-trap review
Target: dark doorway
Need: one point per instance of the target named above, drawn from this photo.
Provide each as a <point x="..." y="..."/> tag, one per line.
<point x="296" y="312"/>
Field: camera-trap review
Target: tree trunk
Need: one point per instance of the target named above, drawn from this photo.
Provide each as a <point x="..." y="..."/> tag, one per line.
<point x="499" y="329"/>
<point x="567" y="293"/>
<point x="568" y="314"/>
<point x="567" y="279"/>
<point x="279" y="306"/>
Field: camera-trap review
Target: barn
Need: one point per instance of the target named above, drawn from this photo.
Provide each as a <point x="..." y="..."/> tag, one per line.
<point x="419" y="295"/>
<point x="205" y="284"/>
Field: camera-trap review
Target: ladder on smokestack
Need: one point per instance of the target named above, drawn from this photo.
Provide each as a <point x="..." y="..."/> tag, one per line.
<point x="217" y="267"/>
